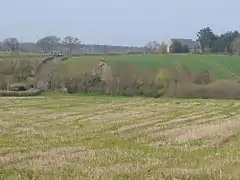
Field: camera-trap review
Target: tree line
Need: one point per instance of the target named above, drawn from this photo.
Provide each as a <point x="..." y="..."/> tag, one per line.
<point x="228" y="42"/>
<point x="67" y="46"/>
<point x="45" y="44"/>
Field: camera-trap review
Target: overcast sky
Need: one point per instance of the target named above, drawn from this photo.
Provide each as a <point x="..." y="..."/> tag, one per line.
<point x="123" y="22"/>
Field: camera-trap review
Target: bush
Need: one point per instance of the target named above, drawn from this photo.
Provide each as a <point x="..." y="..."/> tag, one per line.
<point x="20" y="93"/>
<point x="220" y="89"/>
<point x="128" y="80"/>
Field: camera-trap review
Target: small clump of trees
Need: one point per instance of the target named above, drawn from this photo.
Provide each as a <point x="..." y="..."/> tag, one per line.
<point x="177" y="47"/>
<point x="227" y="42"/>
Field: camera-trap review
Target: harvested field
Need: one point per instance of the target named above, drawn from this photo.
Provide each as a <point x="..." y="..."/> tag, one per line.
<point x="80" y="137"/>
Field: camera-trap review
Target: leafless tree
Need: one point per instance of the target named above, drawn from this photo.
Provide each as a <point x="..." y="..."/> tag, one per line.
<point x="70" y="42"/>
<point x="47" y="43"/>
<point x="12" y="43"/>
<point x="163" y="47"/>
<point x="153" y="46"/>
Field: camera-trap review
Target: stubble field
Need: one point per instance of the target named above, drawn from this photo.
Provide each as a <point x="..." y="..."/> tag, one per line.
<point x="81" y="137"/>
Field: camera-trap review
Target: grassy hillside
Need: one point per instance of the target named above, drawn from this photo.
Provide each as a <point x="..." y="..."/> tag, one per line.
<point x="73" y="137"/>
<point x="136" y="75"/>
<point x="219" y="65"/>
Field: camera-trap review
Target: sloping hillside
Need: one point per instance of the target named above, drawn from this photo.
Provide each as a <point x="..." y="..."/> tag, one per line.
<point x="219" y="65"/>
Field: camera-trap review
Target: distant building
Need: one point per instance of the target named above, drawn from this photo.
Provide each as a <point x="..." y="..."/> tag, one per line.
<point x="194" y="46"/>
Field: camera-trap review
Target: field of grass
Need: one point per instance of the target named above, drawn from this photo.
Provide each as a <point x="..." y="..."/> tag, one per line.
<point x="219" y="65"/>
<point x="81" y="137"/>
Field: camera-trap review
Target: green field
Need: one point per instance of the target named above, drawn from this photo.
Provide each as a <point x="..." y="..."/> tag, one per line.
<point x="77" y="137"/>
<point x="219" y="66"/>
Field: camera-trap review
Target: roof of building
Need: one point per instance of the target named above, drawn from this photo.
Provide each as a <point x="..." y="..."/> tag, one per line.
<point x="188" y="42"/>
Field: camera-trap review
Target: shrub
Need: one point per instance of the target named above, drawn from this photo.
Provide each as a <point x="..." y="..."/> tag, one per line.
<point x="127" y="80"/>
<point x="20" y="93"/>
<point x="220" y="89"/>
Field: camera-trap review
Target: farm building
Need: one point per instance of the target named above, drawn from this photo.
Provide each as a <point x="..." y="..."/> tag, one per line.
<point x="194" y="46"/>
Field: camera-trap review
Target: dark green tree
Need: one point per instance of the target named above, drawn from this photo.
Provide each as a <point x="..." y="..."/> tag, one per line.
<point x="207" y="38"/>
<point x="176" y="47"/>
<point x="223" y="43"/>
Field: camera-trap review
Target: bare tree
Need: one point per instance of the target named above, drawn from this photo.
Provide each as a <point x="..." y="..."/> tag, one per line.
<point x="153" y="46"/>
<point x="236" y="45"/>
<point x="12" y="43"/>
<point x="163" y="47"/>
<point x="70" y="42"/>
<point x="47" y="43"/>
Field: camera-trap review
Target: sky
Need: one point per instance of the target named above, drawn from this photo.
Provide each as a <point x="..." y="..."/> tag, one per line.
<point x="125" y="22"/>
